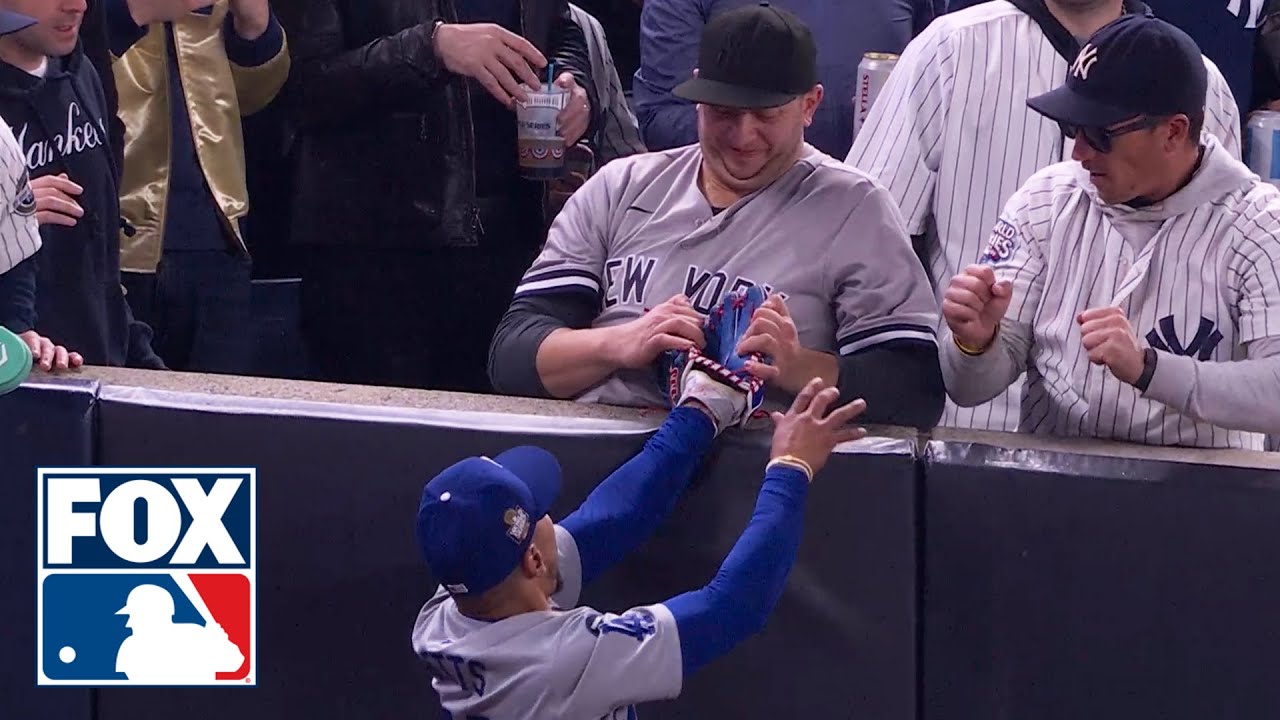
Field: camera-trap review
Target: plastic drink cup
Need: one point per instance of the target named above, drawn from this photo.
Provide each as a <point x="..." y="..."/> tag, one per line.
<point x="541" y="148"/>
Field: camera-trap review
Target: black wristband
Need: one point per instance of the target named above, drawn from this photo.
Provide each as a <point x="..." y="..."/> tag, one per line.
<point x="1149" y="358"/>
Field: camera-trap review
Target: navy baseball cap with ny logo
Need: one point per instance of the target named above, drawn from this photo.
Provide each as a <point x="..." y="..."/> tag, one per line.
<point x="476" y="518"/>
<point x="1136" y="65"/>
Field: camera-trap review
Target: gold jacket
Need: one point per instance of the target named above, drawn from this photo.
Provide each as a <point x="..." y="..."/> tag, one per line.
<point x="218" y="94"/>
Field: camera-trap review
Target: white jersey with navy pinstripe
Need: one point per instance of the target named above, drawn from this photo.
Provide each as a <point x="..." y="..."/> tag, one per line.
<point x="952" y="138"/>
<point x="824" y="235"/>
<point x="19" y="232"/>
<point x="1198" y="276"/>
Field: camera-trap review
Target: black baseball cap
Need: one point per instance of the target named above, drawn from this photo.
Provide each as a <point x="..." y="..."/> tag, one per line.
<point x="757" y="56"/>
<point x="1136" y="65"/>
<point x="12" y="22"/>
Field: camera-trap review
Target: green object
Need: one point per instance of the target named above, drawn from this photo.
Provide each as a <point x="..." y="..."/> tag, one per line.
<point x="15" y="361"/>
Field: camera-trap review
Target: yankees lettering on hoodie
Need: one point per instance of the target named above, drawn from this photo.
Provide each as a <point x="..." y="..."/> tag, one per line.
<point x="59" y="118"/>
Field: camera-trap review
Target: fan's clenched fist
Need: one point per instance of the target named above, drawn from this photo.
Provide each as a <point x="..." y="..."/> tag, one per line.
<point x="1109" y="339"/>
<point x="974" y="305"/>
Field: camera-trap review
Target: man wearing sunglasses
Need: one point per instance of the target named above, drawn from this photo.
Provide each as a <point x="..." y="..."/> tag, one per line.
<point x="951" y="136"/>
<point x="1139" y="285"/>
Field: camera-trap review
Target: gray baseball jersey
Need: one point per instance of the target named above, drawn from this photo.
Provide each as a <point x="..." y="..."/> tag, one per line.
<point x="952" y="138"/>
<point x="824" y="235"/>
<point x="1198" y="276"/>
<point x="569" y="664"/>
<point x="19" y="231"/>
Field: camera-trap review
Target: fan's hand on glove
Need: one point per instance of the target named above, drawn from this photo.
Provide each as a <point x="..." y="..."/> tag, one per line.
<point x="672" y="326"/>
<point x="716" y="375"/>
<point x="772" y="334"/>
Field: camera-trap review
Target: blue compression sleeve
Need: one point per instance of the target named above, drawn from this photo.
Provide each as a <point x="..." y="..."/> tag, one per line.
<point x="738" y="601"/>
<point x="624" y="510"/>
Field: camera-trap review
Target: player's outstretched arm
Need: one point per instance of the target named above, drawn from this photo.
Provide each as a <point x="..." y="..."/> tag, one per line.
<point x="738" y="601"/>
<point x="624" y="510"/>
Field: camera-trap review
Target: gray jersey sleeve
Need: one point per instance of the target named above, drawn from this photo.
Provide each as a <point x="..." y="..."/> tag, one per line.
<point x="573" y="258"/>
<point x="880" y="289"/>
<point x="19" y="231"/>
<point x="900" y="145"/>
<point x="607" y="662"/>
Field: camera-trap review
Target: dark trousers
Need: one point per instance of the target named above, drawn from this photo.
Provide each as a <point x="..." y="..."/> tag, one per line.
<point x="421" y="319"/>
<point x="198" y="303"/>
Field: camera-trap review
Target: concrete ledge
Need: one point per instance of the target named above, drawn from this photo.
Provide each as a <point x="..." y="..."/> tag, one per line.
<point x="236" y="394"/>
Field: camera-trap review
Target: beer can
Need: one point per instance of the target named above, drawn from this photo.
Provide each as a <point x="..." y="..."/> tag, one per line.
<point x="1262" y="146"/>
<point x="873" y="73"/>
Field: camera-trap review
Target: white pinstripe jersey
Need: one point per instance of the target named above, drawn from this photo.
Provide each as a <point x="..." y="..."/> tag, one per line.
<point x="825" y="236"/>
<point x="19" y="232"/>
<point x="952" y="138"/>
<point x="1197" y="274"/>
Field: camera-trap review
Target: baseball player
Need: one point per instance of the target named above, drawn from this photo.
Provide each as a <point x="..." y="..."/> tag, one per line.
<point x="20" y="240"/>
<point x="502" y="637"/>
<point x="644" y="249"/>
<point x="952" y="139"/>
<point x="1138" y="285"/>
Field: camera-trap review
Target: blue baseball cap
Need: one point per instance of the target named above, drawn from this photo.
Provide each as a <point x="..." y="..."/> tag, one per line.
<point x="1136" y="65"/>
<point x="12" y="22"/>
<point x="476" y="518"/>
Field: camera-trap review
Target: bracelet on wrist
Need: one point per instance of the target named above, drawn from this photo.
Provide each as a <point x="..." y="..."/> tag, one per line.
<point x="793" y="462"/>
<point x="975" y="352"/>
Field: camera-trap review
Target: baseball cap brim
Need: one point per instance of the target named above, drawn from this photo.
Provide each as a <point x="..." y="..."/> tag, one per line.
<point x="1063" y="104"/>
<point x="538" y="470"/>
<point x="12" y="22"/>
<point x="714" y="92"/>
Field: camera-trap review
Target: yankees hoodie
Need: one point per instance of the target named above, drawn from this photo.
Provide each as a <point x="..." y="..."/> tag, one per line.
<point x="60" y="121"/>
<point x="1236" y="395"/>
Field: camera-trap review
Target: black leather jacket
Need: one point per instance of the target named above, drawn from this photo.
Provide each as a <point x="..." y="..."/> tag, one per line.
<point x="383" y="143"/>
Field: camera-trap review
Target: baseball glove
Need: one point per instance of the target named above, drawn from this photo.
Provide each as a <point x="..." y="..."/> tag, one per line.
<point x="716" y="374"/>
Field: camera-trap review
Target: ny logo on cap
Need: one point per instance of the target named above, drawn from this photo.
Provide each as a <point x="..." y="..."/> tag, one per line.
<point x="1084" y="62"/>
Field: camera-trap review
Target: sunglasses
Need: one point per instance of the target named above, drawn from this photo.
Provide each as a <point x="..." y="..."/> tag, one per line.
<point x="1099" y="138"/>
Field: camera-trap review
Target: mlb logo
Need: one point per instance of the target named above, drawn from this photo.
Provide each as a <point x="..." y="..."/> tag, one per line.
<point x="146" y="576"/>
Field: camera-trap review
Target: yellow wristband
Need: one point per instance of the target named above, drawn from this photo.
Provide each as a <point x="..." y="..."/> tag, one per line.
<point x="971" y="352"/>
<point x="792" y="461"/>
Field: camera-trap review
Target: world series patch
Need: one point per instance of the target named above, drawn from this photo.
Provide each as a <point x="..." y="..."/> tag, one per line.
<point x="1001" y="246"/>
<point x="146" y="576"/>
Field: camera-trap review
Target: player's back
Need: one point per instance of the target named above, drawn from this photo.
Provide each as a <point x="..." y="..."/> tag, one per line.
<point x="546" y="664"/>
